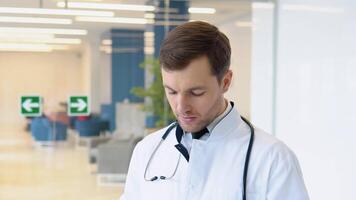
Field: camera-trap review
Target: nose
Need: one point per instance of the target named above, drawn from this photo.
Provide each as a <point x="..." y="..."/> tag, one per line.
<point x="183" y="104"/>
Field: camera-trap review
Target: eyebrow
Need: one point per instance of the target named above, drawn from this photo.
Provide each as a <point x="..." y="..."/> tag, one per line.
<point x="166" y="86"/>
<point x="190" y="89"/>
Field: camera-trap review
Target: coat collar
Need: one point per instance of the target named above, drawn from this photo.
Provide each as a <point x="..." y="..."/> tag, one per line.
<point x="231" y="121"/>
<point x="227" y="124"/>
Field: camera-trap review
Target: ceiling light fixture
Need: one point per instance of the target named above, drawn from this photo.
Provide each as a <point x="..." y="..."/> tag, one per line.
<point x="25" y="47"/>
<point x="28" y="36"/>
<point x="149" y="15"/>
<point x="105" y="6"/>
<point x="42" y="11"/>
<point x="40" y="40"/>
<point x="34" y="20"/>
<point x="122" y="20"/>
<point x="196" y="10"/>
<point x="43" y="31"/>
<point x="31" y="47"/>
<point x="106" y="42"/>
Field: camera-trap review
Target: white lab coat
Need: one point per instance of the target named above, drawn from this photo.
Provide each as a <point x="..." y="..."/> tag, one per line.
<point x="215" y="168"/>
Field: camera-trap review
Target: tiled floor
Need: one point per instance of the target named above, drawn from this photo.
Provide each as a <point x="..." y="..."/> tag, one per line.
<point x="63" y="172"/>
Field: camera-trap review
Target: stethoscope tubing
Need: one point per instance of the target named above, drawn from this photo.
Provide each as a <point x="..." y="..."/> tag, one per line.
<point x="246" y="165"/>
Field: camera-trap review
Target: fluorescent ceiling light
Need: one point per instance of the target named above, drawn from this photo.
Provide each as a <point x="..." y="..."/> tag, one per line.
<point x="106" y="42"/>
<point x="122" y="20"/>
<point x="310" y="8"/>
<point x="42" y="11"/>
<point x="25" y="47"/>
<point x="93" y="0"/>
<point x="149" y="15"/>
<point x="60" y="47"/>
<point x="149" y="50"/>
<point x="168" y="23"/>
<point x="130" y="7"/>
<point x="21" y="36"/>
<point x="41" y="40"/>
<point x="261" y="5"/>
<point x="149" y="34"/>
<point x="35" y="20"/>
<point x="31" y="47"/>
<point x="63" y="41"/>
<point x="201" y="10"/>
<point x="43" y="30"/>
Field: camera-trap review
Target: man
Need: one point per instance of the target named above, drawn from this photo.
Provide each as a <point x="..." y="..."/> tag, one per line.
<point x="191" y="164"/>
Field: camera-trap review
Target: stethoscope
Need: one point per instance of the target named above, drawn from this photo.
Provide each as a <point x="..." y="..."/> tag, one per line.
<point x="175" y="124"/>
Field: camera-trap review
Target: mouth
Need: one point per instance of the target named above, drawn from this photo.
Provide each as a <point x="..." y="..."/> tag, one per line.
<point x="187" y="119"/>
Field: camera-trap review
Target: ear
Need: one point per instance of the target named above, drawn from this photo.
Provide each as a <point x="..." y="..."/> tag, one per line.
<point x="226" y="81"/>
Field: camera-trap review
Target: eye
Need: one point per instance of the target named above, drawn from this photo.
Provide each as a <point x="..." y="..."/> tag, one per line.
<point x="198" y="93"/>
<point x="171" y="92"/>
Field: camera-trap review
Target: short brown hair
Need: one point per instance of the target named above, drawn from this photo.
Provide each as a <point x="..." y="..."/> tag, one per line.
<point x="192" y="40"/>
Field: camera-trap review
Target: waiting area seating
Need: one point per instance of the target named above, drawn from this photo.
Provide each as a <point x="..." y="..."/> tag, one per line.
<point x="110" y="145"/>
<point x="89" y="127"/>
<point x="114" y="156"/>
<point x="44" y="130"/>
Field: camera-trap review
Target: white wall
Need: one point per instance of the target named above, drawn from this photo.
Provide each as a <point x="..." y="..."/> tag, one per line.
<point x="105" y="78"/>
<point x="92" y="68"/>
<point x="316" y="92"/>
<point x="51" y="75"/>
<point x="240" y="41"/>
<point x="262" y="67"/>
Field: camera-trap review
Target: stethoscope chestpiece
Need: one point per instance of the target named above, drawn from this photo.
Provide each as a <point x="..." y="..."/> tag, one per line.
<point x="156" y="178"/>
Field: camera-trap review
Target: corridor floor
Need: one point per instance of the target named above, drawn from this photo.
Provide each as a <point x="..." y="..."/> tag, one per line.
<point x="47" y="173"/>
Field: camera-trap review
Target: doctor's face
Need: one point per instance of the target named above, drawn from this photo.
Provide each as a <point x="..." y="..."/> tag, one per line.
<point x="194" y="94"/>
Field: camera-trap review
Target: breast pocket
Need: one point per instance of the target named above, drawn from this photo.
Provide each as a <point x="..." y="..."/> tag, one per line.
<point x="160" y="190"/>
<point x="254" y="196"/>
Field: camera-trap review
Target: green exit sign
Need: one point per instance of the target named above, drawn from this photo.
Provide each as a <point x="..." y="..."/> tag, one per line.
<point x="31" y="106"/>
<point x="78" y="106"/>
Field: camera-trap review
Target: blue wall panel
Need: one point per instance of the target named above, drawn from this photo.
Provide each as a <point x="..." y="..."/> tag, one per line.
<point x="159" y="30"/>
<point x="128" y="53"/>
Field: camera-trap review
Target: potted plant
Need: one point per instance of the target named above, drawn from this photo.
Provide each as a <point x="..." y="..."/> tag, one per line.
<point x="156" y="95"/>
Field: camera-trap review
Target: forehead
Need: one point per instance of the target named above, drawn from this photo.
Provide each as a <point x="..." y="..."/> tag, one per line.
<point x="196" y="74"/>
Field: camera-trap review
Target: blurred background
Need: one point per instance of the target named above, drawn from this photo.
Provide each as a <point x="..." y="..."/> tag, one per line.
<point x="294" y="65"/>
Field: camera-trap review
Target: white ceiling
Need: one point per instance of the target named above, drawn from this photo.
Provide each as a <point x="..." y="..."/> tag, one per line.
<point x="226" y="10"/>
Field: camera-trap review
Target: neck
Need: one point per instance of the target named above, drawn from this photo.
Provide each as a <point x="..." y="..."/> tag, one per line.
<point x="222" y="106"/>
<point x="220" y="115"/>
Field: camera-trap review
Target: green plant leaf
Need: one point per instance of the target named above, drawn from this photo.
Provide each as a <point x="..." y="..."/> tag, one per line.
<point x="155" y="92"/>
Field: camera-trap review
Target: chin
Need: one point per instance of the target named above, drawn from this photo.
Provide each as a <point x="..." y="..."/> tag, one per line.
<point x="191" y="128"/>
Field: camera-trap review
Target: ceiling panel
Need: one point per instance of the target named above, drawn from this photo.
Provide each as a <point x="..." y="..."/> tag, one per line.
<point x="226" y="10"/>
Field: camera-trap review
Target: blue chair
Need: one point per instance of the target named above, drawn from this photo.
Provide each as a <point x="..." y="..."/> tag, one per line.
<point x="89" y="128"/>
<point x="43" y="129"/>
<point x="107" y="114"/>
<point x="72" y="120"/>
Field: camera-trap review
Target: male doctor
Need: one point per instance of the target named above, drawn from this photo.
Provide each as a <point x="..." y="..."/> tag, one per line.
<point x="203" y="156"/>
